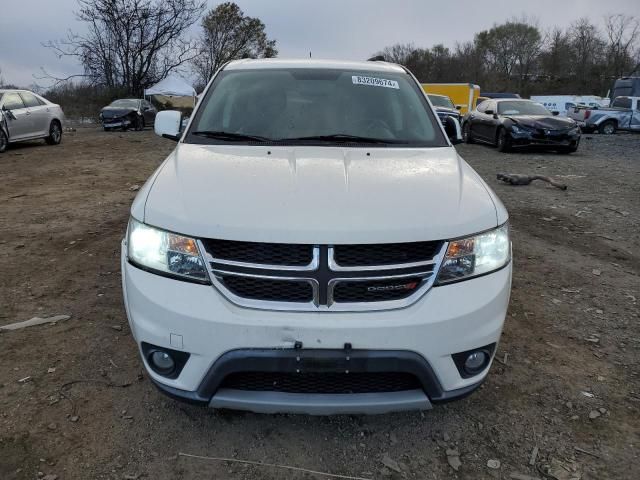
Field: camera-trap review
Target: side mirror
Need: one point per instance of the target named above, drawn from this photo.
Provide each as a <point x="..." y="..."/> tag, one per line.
<point x="168" y="124"/>
<point x="489" y="112"/>
<point x="555" y="113"/>
<point x="453" y="130"/>
<point x="458" y="107"/>
<point x="495" y="115"/>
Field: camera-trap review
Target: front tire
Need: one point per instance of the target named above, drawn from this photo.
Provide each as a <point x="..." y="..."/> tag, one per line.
<point x="504" y="141"/>
<point x="607" y="128"/>
<point x="55" y="133"/>
<point x="4" y="141"/>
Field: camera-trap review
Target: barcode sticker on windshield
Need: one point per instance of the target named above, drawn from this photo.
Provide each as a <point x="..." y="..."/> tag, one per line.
<point x="374" y="82"/>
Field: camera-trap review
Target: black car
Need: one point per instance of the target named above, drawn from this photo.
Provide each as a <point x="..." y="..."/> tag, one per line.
<point x="128" y="113"/>
<point x="444" y="108"/>
<point x="511" y="123"/>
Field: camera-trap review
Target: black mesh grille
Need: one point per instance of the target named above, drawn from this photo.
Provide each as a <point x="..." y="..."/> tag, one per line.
<point x="385" y="253"/>
<point x="268" y="289"/>
<point x="378" y="291"/>
<point x="328" y="383"/>
<point x="257" y="252"/>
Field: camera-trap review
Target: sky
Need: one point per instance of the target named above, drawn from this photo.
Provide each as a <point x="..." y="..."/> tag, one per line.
<point x="339" y="29"/>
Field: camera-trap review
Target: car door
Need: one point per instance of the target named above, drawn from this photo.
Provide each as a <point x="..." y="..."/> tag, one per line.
<point x="484" y="121"/>
<point x="18" y="117"/>
<point x="149" y="112"/>
<point x="39" y="113"/>
<point x="474" y="118"/>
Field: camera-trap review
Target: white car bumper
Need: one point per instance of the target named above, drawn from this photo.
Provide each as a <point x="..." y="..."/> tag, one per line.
<point x="197" y="319"/>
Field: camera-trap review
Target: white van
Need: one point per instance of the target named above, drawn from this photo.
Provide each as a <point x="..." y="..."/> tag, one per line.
<point x="563" y="103"/>
<point x="315" y="244"/>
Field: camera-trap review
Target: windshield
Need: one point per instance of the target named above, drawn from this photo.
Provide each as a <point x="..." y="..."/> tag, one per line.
<point x="521" y="108"/>
<point x="441" y="101"/>
<point x="317" y="106"/>
<point x="125" y="103"/>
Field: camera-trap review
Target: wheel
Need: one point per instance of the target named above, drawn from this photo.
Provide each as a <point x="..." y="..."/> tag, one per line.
<point x="106" y="129"/>
<point x="467" y="135"/>
<point x="4" y="141"/>
<point x="55" y="133"/>
<point x="607" y="128"/>
<point x="504" y="141"/>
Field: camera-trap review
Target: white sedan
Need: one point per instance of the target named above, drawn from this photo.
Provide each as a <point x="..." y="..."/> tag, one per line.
<point x="25" y="115"/>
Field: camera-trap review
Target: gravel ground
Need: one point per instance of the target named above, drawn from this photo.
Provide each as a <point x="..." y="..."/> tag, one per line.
<point x="76" y="404"/>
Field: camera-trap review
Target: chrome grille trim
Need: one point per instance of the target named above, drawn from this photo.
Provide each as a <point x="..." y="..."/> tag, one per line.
<point x="429" y="278"/>
<point x="315" y="262"/>
<point x="252" y="303"/>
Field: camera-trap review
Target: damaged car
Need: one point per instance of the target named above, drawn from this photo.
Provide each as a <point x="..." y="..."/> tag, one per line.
<point x="25" y="115"/>
<point x="128" y="113"/>
<point x="515" y="123"/>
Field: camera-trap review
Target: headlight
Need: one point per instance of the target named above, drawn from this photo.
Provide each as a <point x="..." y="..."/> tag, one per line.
<point x="165" y="252"/>
<point x="476" y="255"/>
<point x="518" y="129"/>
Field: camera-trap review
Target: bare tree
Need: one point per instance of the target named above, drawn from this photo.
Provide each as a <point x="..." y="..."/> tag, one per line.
<point x="130" y="44"/>
<point x="228" y="34"/>
<point x="622" y="33"/>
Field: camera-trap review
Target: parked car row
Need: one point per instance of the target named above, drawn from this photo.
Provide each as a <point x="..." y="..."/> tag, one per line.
<point x="624" y="114"/>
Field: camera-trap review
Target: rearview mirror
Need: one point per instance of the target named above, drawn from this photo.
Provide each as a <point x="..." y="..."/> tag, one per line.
<point x="168" y="124"/>
<point x="453" y="130"/>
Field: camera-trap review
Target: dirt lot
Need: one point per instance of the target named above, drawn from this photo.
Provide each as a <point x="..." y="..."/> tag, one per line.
<point x="86" y="410"/>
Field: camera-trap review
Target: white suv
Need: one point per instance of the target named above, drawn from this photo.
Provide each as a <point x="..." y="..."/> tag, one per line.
<point x="314" y="244"/>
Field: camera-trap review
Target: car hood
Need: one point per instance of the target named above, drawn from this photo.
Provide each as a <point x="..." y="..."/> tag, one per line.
<point x="114" y="112"/>
<point x="448" y="111"/>
<point x="543" y="121"/>
<point x="317" y="194"/>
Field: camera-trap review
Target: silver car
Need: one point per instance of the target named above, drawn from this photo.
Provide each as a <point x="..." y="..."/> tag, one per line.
<point x="25" y="115"/>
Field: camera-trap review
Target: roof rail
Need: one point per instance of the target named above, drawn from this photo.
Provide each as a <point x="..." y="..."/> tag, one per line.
<point x="377" y="58"/>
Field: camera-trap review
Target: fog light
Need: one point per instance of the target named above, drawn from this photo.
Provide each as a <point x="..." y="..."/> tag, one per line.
<point x="476" y="361"/>
<point x="473" y="362"/>
<point x="162" y="362"/>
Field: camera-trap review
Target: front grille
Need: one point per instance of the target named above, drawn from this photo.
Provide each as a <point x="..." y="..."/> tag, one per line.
<point x="261" y="253"/>
<point x="327" y="383"/>
<point x="268" y="289"/>
<point x="375" y="291"/>
<point x="364" y="255"/>
<point x="281" y="276"/>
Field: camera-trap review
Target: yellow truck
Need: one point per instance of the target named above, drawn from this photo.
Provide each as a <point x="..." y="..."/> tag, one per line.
<point x="463" y="95"/>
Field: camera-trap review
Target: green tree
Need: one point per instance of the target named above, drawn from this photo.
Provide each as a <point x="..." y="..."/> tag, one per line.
<point x="228" y="34"/>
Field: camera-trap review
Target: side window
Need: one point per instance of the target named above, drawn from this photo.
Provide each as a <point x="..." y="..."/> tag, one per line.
<point x="622" y="102"/>
<point x="29" y="99"/>
<point x="12" y="101"/>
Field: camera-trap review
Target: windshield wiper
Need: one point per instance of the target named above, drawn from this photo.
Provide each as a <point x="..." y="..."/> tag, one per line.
<point x="237" y="137"/>
<point x="342" y="138"/>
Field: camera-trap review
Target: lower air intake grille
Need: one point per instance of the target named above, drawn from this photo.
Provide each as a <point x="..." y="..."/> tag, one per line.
<point x="269" y="289"/>
<point x="328" y="383"/>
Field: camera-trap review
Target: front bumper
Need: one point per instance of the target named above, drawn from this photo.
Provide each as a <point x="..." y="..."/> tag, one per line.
<point x="527" y="139"/>
<point x="197" y="319"/>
